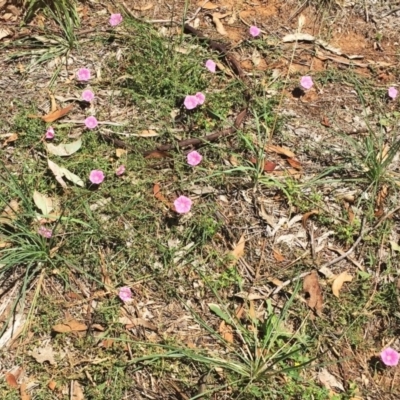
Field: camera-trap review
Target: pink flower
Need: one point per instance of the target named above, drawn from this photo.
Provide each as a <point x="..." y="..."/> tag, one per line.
<point x="49" y="133"/>
<point x="87" y="95"/>
<point x="91" y="122"/>
<point x="392" y="92"/>
<point x="125" y="293"/>
<point x="45" y="232"/>
<point x="254" y="31"/>
<point x="200" y="98"/>
<point x="83" y="74"/>
<point x="115" y="19"/>
<point x="390" y="357"/>
<point x="120" y="170"/>
<point x="190" y="102"/>
<point x="183" y="204"/>
<point x="96" y="176"/>
<point x="211" y="66"/>
<point x="194" y="158"/>
<point x="306" y="82"/>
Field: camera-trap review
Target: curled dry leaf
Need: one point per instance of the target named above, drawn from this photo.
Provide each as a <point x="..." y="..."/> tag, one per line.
<point x="339" y="281"/>
<point x="312" y="287"/>
<point x="284" y="151"/>
<point x="55" y="115"/>
<point x="218" y="24"/>
<point x="11" y="138"/>
<point x="305" y="217"/>
<point x="294" y="163"/>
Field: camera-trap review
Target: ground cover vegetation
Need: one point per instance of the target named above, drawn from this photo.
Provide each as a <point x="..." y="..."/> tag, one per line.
<point x="199" y="200"/>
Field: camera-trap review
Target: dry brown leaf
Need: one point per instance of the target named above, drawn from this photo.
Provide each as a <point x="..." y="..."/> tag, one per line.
<point x="305" y="217"/>
<point x="4" y="32"/>
<point x="77" y="391"/>
<point x="238" y="251"/>
<point x="9" y="213"/>
<point x="252" y="310"/>
<point x="207" y="5"/>
<point x="42" y="354"/>
<point x="23" y="392"/>
<point x="11" y="380"/>
<point x="269" y="166"/>
<point x="158" y="154"/>
<point x="70" y="326"/>
<point x="143" y="8"/>
<point x="280" y="150"/>
<point x="294" y="163"/>
<point x="120" y="152"/>
<point x="339" y="281"/>
<point x="134" y="322"/>
<point x="325" y="121"/>
<point x="226" y="332"/>
<point x="12" y="138"/>
<point x="218" y="24"/>
<point x="159" y="196"/>
<point x="146" y="133"/>
<point x="55" y="115"/>
<point x="380" y="200"/>
<point x="277" y="255"/>
<point x="312" y="287"/>
<point x="328" y="380"/>
<point x="52" y="385"/>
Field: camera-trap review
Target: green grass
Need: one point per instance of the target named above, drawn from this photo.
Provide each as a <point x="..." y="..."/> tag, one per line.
<point x="179" y="267"/>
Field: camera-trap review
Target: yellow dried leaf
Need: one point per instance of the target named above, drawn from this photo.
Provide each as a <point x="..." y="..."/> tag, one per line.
<point x="238" y="251"/>
<point x="339" y="281"/>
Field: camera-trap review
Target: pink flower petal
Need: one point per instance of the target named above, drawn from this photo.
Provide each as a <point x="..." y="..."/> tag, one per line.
<point x="190" y="102"/>
<point x="125" y="293"/>
<point x="390" y="357"/>
<point x="392" y="92"/>
<point x="306" y="82"/>
<point x="45" y="232"/>
<point x="115" y="19"/>
<point x="83" y="74"/>
<point x="194" y="158"/>
<point x="87" y="95"/>
<point x="200" y="98"/>
<point x="96" y="176"/>
<point x="91" y="122"/>
<point x="211" y="66"/>
<point x="183" y="204"/>
<point x="49" y="133"/>
<point x="254" y="31"/>
<point x="120" y="170"/>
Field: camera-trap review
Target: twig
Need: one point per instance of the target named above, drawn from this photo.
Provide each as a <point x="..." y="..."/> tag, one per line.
<point x="209" y="138"/>
<point x="325" y="267"/>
